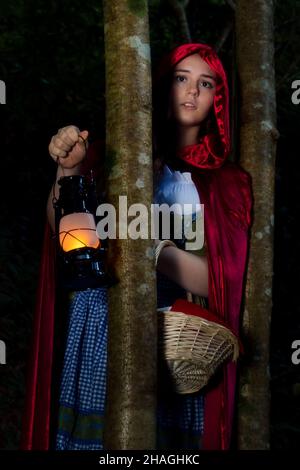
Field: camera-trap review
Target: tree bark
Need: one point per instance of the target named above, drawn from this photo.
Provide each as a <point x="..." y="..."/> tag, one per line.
<point x="131" y="390"/>
<point x="255" y="54"/>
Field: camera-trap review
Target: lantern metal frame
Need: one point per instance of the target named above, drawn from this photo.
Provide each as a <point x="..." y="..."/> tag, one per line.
<point x="85" y="267"/>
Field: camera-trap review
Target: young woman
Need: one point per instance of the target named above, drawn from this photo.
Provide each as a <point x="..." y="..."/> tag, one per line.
<point x="191" y="146"/>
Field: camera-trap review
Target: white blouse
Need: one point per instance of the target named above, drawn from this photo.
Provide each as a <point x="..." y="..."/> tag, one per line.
<point x="176" y="187"/>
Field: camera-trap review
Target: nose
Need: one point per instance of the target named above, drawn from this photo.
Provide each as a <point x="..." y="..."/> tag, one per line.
<point x="193" y="89"/>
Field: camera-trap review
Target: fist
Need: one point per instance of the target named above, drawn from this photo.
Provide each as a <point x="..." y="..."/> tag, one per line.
<point x="68" y="146"/>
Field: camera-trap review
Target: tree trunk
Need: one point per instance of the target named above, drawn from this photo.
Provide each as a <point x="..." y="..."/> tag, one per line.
<point x="131" y="393"/>
<point x="255" y="54"/>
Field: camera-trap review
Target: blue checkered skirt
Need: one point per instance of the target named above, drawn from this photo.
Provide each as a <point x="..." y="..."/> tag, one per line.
<point x="83" y="380"/>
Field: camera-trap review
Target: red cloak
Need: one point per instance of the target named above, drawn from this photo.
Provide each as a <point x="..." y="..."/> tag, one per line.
<point x="225" y="191"/>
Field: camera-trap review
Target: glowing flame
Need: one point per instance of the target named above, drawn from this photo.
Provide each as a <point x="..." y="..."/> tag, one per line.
<point x="78" y="230"/>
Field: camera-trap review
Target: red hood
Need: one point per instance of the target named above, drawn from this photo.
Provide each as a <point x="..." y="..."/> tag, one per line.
<point x="213" y="148"/>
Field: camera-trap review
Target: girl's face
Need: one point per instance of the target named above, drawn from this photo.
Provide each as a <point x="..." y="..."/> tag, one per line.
<point x="192" y="91"/>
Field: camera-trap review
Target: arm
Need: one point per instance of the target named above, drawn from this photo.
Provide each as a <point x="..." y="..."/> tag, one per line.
<point x="188" y="270"/>
<point x="68" y="150"/>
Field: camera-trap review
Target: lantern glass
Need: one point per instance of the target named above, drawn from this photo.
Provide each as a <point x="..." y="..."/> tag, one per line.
<point x="78" y="230"/>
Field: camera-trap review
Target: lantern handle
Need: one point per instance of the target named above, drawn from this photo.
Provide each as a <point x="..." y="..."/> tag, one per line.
<point x="84" y="143"/>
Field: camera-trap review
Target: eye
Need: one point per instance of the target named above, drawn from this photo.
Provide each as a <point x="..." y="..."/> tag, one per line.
<point x="180" y="78"/>
<point x="205" y="84"/>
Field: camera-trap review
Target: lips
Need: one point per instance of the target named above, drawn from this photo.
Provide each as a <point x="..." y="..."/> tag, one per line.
<point x="189" y="105"/>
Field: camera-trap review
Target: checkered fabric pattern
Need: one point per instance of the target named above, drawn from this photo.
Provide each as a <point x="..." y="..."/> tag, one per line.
<point x="83" y="381"/>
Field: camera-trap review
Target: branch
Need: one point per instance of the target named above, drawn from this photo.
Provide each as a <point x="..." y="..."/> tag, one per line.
<point x="225" y="33"/>
<point x="179" y="11"/>
<point x="231" y="3"/>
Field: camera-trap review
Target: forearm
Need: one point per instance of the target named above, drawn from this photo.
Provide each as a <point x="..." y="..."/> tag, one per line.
<point x="54" y="193"/>
<point x="188" y="270"/>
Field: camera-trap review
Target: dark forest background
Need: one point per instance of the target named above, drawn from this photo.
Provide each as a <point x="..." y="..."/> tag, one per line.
<point x="52" y="61"/>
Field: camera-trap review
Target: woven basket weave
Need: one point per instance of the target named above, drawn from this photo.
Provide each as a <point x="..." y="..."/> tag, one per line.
<point x="193" y="348"/>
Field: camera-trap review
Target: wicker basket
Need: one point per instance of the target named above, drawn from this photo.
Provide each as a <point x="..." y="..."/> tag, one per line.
<point x="193" y="348"/>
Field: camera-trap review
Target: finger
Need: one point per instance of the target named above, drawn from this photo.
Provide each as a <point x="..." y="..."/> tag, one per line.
<point x="68" y="133"/>
<point x="55" y="153"/>
<point x="84" y="134"/>
<point x="57" y="143"/>
<point x="83" y="139"/>
<point x="65" y="129"/>
<point x="56" y="146"/>
<point x="62" y="145"/>
<point x="65" y="140"/>
<point x="72" y="133"/>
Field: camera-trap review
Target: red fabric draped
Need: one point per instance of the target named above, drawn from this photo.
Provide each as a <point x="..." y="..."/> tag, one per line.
<point x="36" y="419"/>
<point x="227" y="200"/>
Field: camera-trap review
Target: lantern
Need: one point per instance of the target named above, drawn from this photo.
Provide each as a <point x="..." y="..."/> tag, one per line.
<point x="81" y="253"/>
